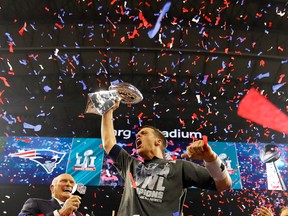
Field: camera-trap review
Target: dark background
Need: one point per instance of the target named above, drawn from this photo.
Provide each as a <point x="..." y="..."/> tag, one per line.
<point x="63" y="50"/>
<point x="53" y="53"/>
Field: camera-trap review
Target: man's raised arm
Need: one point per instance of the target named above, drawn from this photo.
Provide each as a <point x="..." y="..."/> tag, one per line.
<point x="107" y="129"/>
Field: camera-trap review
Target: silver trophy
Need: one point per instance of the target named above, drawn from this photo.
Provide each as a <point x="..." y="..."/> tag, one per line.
<point x="102" y="101"/>
<point x="269" y="155"/>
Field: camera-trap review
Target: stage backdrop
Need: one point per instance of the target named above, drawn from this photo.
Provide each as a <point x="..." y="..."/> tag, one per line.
<point x="37" y="160"/>
<point x="28" y="165"/>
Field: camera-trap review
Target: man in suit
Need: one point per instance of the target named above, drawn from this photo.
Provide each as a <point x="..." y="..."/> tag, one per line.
<point x="63" y="202"/>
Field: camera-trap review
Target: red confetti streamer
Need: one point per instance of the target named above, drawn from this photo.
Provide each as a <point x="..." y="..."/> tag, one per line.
<point x="19" y="119"/>
<point x="259" y="15"/>
<point x="21" y="31"/>
<point x="281" y="78"/>
<point x="122" y="39"/>
<point x="5" y="81"/>
<point x="182" y="122"/>
<point x="58" y="25"/>
<point x="262" y="63"/>
<point x="140" y="115"/>
<point x="113" y="2"/>
<point x="134" y="34"/>
<point x="217" y="21"/>
<point x="1" y="101"/>
<point x="257" y="108"/>
<point x="280" y="48"/>
<point x="185" y="10"/>
<point x="114" y="26"/>
<point x="11" y="47"/>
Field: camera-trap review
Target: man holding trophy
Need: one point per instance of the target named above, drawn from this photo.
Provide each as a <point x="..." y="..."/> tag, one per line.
<point x="157" y="186"/>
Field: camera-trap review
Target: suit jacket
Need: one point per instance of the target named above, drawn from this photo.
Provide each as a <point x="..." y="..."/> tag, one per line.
<point x="36" y="206"/>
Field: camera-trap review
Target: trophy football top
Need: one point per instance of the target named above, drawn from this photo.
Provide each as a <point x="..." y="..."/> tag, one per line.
<point x="128" y="93"/>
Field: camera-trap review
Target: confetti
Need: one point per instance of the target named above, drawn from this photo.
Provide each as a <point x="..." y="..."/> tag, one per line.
<point x="157" y="26"/>
<point x="194" y="63"/>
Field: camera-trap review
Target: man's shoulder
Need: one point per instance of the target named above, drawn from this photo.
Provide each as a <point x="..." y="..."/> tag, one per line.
<point x="35" y="199"/>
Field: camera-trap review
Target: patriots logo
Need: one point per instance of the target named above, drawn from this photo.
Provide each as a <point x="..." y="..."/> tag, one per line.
<point x="48" y="159"/>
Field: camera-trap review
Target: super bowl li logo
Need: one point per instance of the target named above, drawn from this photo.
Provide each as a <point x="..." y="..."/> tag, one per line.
<point x="87" y="163"/>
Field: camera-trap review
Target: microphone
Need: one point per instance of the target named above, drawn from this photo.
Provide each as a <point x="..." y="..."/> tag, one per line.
<point x="79" y="189"/>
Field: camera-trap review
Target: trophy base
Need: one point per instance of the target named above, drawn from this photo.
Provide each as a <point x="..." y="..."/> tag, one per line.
<point x="100" y="102"/>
